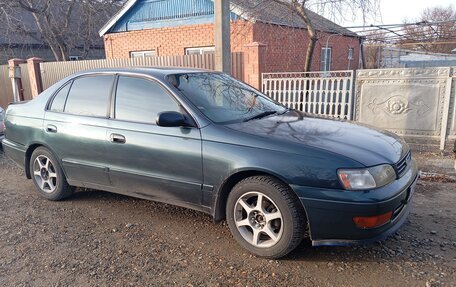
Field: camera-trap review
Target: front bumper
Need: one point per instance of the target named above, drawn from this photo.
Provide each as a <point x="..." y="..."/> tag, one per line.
<point x="330" y="212"/>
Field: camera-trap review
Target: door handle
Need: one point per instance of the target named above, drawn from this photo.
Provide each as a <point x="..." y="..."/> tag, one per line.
<point x="116" y="138"/>
<point x="51" y="128"/>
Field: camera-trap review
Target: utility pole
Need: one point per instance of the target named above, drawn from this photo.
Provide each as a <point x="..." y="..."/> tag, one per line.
<point x="222" y="36"/>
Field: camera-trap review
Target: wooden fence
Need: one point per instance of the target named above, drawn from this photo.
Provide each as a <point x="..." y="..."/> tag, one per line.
<point x="6" y="88"/>
<point x="52" y="72"/>
<point x="25" y="78"/>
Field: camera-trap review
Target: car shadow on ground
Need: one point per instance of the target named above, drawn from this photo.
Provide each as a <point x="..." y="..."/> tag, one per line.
<point x="390" y="249"/>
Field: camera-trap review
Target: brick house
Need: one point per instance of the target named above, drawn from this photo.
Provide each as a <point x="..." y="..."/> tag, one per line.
<point x="147" y="28"/>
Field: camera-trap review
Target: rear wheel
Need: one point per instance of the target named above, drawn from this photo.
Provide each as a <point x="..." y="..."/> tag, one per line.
<point x="48" y="176"/>
<point x="265" y="216"/>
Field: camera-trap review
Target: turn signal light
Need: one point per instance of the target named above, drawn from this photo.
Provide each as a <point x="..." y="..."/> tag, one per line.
<point x="372" y="221"/>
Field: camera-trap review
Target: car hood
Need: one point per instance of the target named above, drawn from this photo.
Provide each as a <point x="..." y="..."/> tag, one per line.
<point x="367" y="145"/>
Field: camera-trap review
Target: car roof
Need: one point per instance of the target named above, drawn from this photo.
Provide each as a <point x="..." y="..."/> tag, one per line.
<point x="152" y="71"/>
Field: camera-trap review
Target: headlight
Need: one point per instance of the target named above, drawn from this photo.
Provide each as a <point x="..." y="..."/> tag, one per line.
<point x="367" y="178"/>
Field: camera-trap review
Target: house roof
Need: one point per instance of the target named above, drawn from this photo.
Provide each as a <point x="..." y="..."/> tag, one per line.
<point x="9" y="34"/>
<point x="275" y="13"/>
<point x="256" y="11"/>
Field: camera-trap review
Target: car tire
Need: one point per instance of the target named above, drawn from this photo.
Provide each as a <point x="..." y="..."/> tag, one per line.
<point x="48" y="176"/>
<point x="271" y="229"/>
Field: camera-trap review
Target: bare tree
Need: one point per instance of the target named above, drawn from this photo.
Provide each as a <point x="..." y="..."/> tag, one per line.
<point x="60" y="25"/>
<point x="305" y="11"/>
<point x="373" y="47"/>
<point x="437" y="27"/>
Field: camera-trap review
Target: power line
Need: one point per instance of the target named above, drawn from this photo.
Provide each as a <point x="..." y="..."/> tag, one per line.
<point x="402" y="25"/>
<point x="396" y="34"/>
<point x="410" y="44"/>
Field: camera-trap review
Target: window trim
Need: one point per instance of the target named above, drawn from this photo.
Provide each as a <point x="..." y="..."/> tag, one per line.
<point x="54" y="95"/>
<point x="324" y="63"/>
<point x="352" y="56"/>
<point x="142" y="53"/>
<point x="184" y="110"/>
<point x="186" y="107"/>
<point x="201" y="48"/>
<point x="51" y="99"/>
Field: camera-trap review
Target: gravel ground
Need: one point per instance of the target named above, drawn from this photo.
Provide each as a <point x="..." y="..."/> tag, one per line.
<point x="102" y="239"/>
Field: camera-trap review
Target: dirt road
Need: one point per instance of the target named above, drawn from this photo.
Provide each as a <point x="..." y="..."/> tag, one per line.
<point x="102" y="239"/>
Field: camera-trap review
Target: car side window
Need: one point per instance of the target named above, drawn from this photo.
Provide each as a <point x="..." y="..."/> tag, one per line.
<point x="90" y="96"/>
<point x="141" y="100"/>
<point x="58" y="103"/>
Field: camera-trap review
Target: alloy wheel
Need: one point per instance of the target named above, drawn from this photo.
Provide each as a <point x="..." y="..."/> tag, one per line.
<point x="258" y="219"/>
<point x="45" y="174"/>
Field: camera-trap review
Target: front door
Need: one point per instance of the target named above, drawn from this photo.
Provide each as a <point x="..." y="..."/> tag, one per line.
<point x="162" y="163"/>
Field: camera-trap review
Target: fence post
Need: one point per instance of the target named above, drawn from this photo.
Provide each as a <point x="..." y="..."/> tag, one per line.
<point x="33" y="65"/>
<point x="446" y="112"/>
<point x="15" y="76"/>
<point x="254" y="63"/>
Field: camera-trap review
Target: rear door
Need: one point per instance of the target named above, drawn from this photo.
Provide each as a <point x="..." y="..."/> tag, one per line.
<point x="75" y="128"/>
<point x="150" y="161"/>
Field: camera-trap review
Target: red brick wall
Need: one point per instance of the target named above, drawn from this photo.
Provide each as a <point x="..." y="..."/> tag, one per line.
<point x="173" y="40"/>
<point x="286" y="48"/>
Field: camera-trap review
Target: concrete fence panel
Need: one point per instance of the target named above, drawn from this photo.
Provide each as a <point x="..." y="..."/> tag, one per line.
<point x="452" y="111"/>
<point x="408" y="102"/>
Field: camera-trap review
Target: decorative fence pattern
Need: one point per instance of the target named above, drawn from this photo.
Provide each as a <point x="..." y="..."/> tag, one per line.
<point x="322" y="93"/>
<point x="414" y="103"/>
<point x="53" y="72"/>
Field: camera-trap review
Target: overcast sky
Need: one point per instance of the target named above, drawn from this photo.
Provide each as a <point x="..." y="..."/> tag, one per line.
<point x="395" y="11"/>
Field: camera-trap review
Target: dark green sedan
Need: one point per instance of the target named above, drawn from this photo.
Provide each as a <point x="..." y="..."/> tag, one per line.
<point x="206" y="141"/>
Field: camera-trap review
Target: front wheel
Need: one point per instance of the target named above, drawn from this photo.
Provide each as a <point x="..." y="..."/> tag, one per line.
<point x="48" y="176"/>
<point x="265" y="216"/>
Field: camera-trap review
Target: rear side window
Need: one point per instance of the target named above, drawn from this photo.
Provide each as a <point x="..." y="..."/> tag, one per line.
<point x="141" y="100"/>
<point x="90" y="96"/>
<point x="58" y="104"/>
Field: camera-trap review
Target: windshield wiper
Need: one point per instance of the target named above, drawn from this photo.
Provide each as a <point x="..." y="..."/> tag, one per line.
<point x="285" y="111"/>
<point x="261" y="115"/>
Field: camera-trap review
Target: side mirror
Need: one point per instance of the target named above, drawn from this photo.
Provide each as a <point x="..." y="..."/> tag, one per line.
<point x="172" y="119"/>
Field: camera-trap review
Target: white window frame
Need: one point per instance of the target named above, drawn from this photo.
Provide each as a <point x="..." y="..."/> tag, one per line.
<point x="200" y="50"/>
<point x="351" y="53"/>
<point x="143" y="54"/>
<point x="325" y="65"/>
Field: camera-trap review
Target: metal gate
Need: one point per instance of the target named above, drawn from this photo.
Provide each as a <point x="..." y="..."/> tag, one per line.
<point x="322" y="93"/>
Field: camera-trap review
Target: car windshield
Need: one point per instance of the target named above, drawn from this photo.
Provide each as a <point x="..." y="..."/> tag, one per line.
<point x="224" y="99"/>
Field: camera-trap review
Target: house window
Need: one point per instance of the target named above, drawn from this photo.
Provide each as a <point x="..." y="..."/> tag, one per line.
<point x="200" y="50"/>
<point x="351" y="51"/>
<point x="326" y="55"/>
<point x="143" y="54"/>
